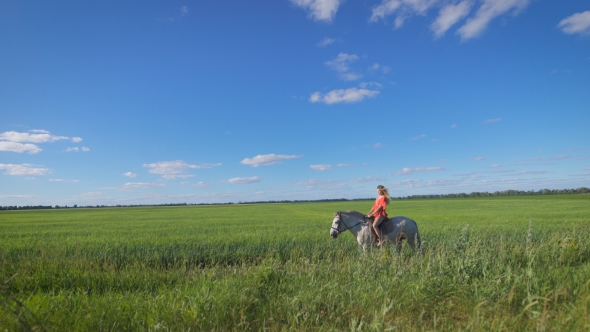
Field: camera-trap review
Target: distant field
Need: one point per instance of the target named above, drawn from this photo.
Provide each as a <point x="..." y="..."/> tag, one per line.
<point x="497" y="263"/>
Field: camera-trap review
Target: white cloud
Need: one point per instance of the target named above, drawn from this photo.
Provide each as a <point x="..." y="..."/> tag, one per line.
<point x="341" y="64"/>
<point x="489" y="10"/>
<point x="130" y="175"/>
<point x="321" y="167"/>
<point x="479" y="158"/>
<point x="76" y="139"/>
<point x="448" y="16"/>
<point x="453" y="126"/>
<point x="247" y="180"/>
<point x="409" y="171"/>
<point x="267" y="159"/>
<point x="201" y="184"/>
<point x="21" y="142"/>
<point x="175" y="169"/>
<point x="319" y="10"/>
<point x="577" y="23"/>
<point x="24" y="169"/>
<point x="19" y="147"/>
<point x="183" y="10"/>
<point x="39" y="137"/>
<point x="497" y="165"/>
<point x="378" y="146"/>
<point x="492" y="120"/>
<point x="344" y="165"/>
<point x="74" y="149"/>
<point x="352" y="95"/>
<point x="325" y="42"/>
<point x="85" y="149"/>
<point x="142" y="185"/>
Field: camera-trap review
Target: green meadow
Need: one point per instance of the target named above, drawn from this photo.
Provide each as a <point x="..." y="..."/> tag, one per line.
<point x="487" y="264"/>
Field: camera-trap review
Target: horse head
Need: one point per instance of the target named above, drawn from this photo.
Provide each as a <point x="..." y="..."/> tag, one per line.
<point x="336" y="225"/>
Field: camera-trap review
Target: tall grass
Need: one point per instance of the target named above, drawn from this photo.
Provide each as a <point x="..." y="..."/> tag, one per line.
<point x="503" y="264"/>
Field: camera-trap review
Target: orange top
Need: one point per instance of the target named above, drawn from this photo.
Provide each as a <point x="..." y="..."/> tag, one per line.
<point x="380" y="202"/>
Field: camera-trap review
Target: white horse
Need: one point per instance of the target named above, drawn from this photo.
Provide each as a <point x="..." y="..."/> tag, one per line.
<point x="394" y="230"/>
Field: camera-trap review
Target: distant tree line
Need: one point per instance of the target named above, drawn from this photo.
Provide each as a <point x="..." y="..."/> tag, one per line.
<point x="582" y="190"/>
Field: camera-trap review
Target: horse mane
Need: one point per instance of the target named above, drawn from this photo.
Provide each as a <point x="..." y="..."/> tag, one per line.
<point x="353" y="213"/>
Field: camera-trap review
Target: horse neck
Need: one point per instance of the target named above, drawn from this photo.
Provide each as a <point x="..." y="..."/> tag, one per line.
<point x="353" y="224"/>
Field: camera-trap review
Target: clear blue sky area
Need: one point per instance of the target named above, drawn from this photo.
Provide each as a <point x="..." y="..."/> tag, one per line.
<point x="141" y="102"/>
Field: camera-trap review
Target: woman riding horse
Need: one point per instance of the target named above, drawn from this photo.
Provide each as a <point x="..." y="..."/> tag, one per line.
<point x="379" y="210"/>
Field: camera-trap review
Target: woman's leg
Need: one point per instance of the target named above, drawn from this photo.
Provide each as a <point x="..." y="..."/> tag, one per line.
<point x="376" y="223"/>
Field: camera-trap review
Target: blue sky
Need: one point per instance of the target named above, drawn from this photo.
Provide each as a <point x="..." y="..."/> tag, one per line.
<point x="141" y="102"/>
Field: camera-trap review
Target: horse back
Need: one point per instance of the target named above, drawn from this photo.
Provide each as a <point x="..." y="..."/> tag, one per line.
<point x="400" y="223"/>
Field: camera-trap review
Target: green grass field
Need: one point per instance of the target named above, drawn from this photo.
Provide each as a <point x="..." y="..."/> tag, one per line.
<point x="501" y="264"/>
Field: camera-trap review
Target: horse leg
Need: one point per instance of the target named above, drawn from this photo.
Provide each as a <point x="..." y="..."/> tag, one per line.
<point x="398" y="245"/>
<point x="411" y="242"/>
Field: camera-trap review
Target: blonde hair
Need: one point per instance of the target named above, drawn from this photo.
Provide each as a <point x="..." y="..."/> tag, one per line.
<point x="383" y="190"/>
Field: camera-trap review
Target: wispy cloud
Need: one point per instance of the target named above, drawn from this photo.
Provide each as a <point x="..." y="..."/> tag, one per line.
<point x="454" y="125"/>
<point x="492" y="120"/>
<point x="130" y="175"/>
<point x="450" y="13"/>
<point x="176" y="169"/>
<point x="577" y="23"/>
<point x="489" y="10"/>
<point x="415" y="138"/>
<point x="410" y="171"/>
<point x="448" y="16"/>
<point x="352" y="95"/>
<point x="316" y="183"/>
<point x="62" y="180"/>
<point x="141" y="185"/>
<point x="366" y="179"/>
<point x="325" y="42"/>
<point x="76" y="149"/>
<point x="321" y="167"/>
<point x="403" y="8"/>
<point x="341" y="64"/>
<point x="478" y="158"/>
<point x="497" y="165"/>
<point x="268" y="159"/>
<point x="319" y="10"/>
<point x="23" y="169"/>
<point x="365" y="85"/>
<point x="344" y="165"/>
<point x="246" y="180"/>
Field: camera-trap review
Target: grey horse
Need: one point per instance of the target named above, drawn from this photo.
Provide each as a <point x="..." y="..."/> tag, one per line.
<point x="394" y="230"/>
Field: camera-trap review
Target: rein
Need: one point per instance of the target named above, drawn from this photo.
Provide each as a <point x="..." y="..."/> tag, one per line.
<point x="346" y="227"/>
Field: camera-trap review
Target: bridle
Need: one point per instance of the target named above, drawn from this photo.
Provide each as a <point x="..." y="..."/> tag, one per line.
<point x="345" y="229"/>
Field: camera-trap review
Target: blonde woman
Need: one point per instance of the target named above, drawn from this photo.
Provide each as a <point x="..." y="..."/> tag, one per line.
<point x="379" y="210"/>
